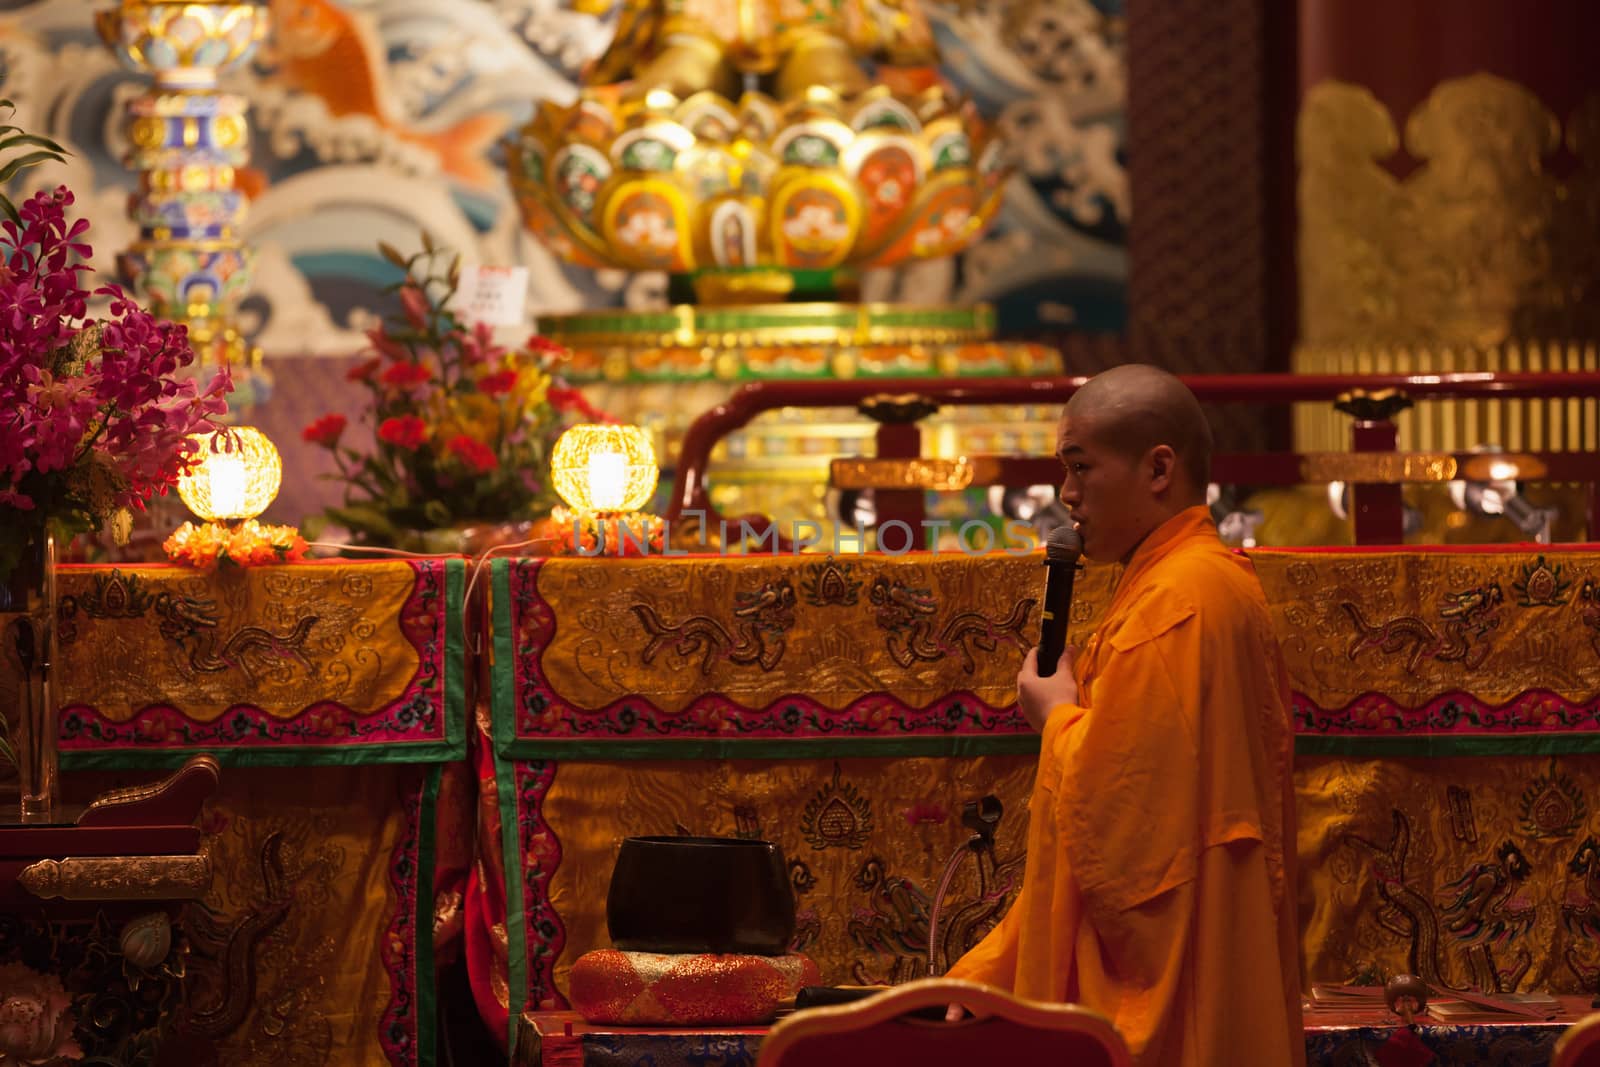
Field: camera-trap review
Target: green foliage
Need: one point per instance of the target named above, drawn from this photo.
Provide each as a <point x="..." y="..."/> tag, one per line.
<point x="20" y="150"/>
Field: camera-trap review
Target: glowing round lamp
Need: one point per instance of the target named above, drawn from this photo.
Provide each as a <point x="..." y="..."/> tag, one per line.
<point x="232" y="484"/>
<point x="604" y="468"/>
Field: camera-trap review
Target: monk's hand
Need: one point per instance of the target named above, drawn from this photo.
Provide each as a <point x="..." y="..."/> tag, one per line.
<point x="1039" y="696"/>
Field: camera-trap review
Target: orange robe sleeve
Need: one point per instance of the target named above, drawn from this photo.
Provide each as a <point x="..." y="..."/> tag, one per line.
<point x="1047" y="900"/>
<point x="1155" y="891"/>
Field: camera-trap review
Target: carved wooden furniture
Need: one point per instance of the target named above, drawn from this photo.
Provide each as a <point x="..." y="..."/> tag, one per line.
<point x="1580" y="1045"/>
<point x="1000" y="1029"/>
<point x="133" y="845"/>
<point x="92" y="953"/>
<point x="1333" y="1039"/>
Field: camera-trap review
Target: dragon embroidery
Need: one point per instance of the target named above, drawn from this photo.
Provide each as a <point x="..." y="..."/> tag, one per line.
<point x="1484" y="910"/>
<point x="1489" y="910"/>
<point x="893" y="928"/>
<point x="762" y="621"/>
<point x="222" y="966"/>
<point x="1485" y="902"/>
<point x="907" y="616"/>
<point x="1467" y="616"/>
<point x="193" y="627"/>
<point x="1405" y="912"/>
<point x="971" y="920"/>
<point x="1580" y="911"/>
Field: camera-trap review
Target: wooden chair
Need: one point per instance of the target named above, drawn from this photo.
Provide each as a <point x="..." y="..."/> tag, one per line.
<point x="1580" y="1045"/>
<point x="1000" y="1029"/>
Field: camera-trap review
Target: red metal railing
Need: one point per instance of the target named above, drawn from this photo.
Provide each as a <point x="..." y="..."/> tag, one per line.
<point x="899" y="405"/>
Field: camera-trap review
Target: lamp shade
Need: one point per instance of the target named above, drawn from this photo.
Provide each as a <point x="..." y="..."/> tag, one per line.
<point x="232" y="483"/>
<point x="597" y="467"/>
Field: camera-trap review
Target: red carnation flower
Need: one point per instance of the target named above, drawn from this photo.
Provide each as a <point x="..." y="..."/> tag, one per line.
<point x="406" y="375"/>
<point x="404" y="431"/>
<point x="565" y="400"/>
<point x="475" y="454"/>
<point x="497" y="383"/>
<point x="326" y="431"/>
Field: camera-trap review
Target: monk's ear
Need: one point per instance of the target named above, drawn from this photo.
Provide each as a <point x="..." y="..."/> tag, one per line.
<point x="1163" y="465"/>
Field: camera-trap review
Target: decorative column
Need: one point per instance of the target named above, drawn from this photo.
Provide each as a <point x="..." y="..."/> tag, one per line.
<point x="1448" y="192"/>
<point x="188" y="141"/>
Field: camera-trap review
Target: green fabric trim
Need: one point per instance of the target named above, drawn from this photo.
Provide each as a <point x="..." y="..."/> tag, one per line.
<point x="502" y="659"/>
<point x="526" y="748"/>
<point x="823" y="314"/>
<point x="502" y="717"/>
<point x="334" y="755"/>
<point x="455" y="660"/>
<point x="577" y="324"/>
<point x="509" y="748"/>
<point x="425" y="978"/>
<point x="1444" y="746"/>
<point x="505" y="783"/>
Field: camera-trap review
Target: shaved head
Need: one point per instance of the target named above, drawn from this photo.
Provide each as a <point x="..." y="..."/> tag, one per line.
<point x="1135" y="407"/>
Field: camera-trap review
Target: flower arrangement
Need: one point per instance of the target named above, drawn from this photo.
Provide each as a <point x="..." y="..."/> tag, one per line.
<point x="36" y="1018"/>
<point x="579" y="533"/>
<point x="94" y="420"/>
<point x="462" y="427"/>
<point x="246" y="544"/>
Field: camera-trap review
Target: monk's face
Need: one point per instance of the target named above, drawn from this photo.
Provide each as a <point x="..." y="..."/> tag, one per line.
<point x="1106" y="488"/>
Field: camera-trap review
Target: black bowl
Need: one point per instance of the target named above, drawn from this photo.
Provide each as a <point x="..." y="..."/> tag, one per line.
<point x="700" y="894"/>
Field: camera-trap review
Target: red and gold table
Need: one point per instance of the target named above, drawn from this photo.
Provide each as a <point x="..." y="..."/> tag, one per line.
<point x="334" y="696"/>
<point x="1447" y="706"/>
<point x="1446" y="702"/>
<point x="845" y="708"/>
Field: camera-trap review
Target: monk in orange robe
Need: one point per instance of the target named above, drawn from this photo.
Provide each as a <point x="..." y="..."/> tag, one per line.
<point x="1159" y="888"/>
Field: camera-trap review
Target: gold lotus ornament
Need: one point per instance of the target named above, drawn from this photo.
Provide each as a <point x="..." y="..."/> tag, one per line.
<point x="707" y="186"/>
<point x="604" y="468"/>
<point x="183" y="44"/>
<point x="229" y="484"/>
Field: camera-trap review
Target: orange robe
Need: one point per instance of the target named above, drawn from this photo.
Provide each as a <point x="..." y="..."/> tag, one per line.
<point x="1158" y="890"/>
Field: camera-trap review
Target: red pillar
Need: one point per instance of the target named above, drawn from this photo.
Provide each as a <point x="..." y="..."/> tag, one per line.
<point x="901" y="440"/>
<point x="1377" y="510"/>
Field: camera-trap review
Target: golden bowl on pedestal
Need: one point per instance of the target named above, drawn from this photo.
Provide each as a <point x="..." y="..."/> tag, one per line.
<point x="746" y="195"/>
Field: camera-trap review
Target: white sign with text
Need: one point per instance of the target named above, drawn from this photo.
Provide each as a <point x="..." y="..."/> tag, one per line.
<point x="494" y="296"/>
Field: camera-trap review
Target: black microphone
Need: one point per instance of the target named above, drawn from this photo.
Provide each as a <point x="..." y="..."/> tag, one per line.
<point x="1061" y="554"/>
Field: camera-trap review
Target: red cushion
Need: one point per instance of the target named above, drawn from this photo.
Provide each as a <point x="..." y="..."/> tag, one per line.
<point x="648" y="988"/>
